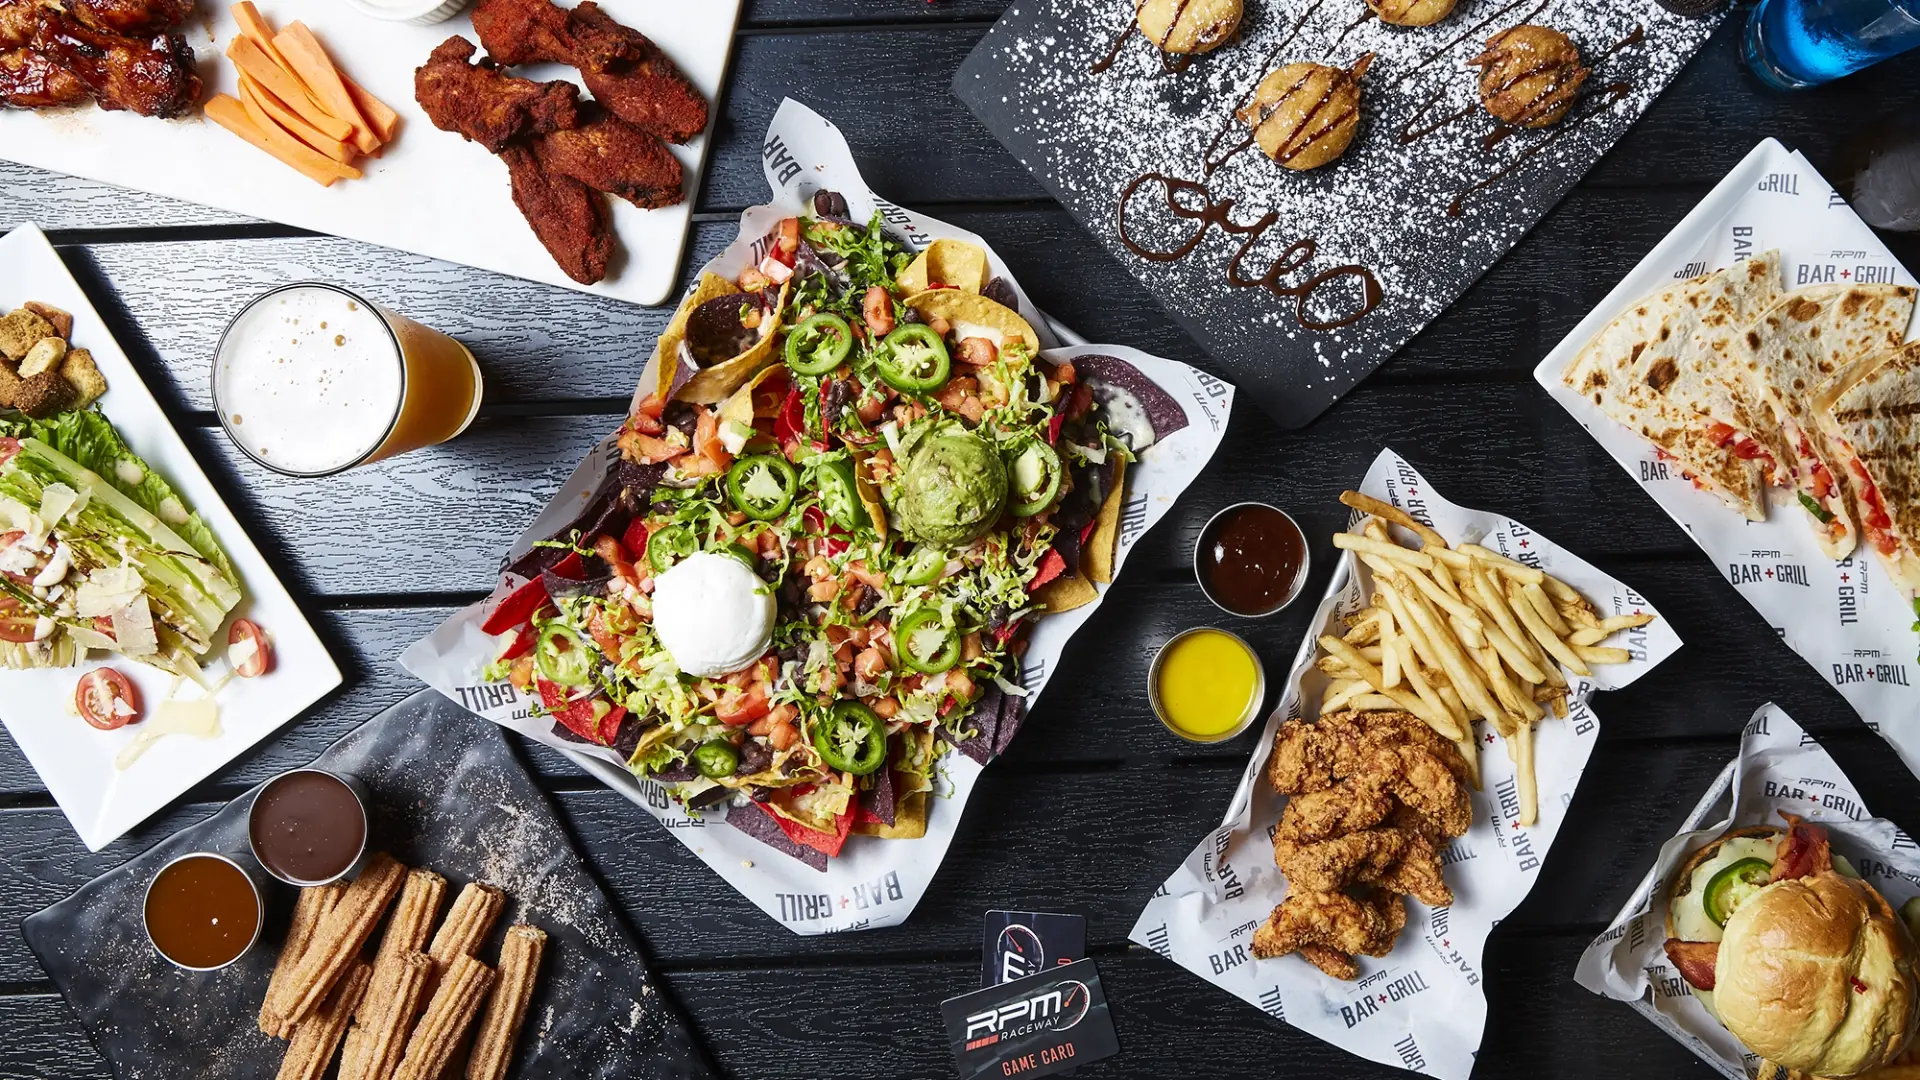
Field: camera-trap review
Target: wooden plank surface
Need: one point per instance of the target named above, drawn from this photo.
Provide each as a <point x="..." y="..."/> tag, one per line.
<point x="1095" y="803"/>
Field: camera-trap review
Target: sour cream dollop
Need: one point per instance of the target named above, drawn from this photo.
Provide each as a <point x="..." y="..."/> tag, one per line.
<point x="713" y="614"/>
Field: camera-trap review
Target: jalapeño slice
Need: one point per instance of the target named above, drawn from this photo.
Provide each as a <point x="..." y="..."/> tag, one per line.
<point x="852" y="738"/>
<point x="927" y="644"/>
<point x="1034" y="475"/>
<point x="1731" y="887"/>
<point x="562" y="657"/>
<point x="915" y="359"/>
<point x="819" y="344"/>
<point x="922" y="566"/>
<point x="716" y="759"/>
<point x="762" y="485"/>
<point x="840" y="496"/>
<point x="669" y="545"/>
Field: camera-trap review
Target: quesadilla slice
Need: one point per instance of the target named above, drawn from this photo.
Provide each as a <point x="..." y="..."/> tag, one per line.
<point x="1663" y="369"/>
<point x="1791" y="351"/>
<point x="1873" y="422"/>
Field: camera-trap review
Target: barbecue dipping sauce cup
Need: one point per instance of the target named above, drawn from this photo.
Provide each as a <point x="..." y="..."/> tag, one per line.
<point x="1284" y="557"/>
<point x="179" y="911"/>
<point x="309" y="827"/>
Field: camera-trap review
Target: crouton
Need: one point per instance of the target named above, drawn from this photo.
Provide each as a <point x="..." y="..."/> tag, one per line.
<point x="85" y="378"/>
<point x="45" y="355"/>
<point x="20" y="331"/>
<point x="43" y="395"/>
<point x="62" y="322"/>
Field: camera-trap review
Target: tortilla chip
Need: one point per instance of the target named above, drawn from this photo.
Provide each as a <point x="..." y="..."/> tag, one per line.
<point x="710" y="386"/>
<point x="666" y="351"/>
<point x="909" y="820"/>
<point x="946" y="262"/>
<point x="740" y="406"/>
<point x="870" y="498"/>
<point x="971" y="315"/>
<point x="1102" y="547"/>
<point x="1066" y="593"/>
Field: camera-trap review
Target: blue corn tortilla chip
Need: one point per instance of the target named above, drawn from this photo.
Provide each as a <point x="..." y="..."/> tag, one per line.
<point x="985" y="720"/>
<point x="1013" y="710"/>
<point x="756" y="823"/>
<point x="1125" y="392"/>
<point x="882" y="799"/>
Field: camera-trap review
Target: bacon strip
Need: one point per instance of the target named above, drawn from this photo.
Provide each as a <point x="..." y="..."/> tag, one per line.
<point x="1695" y="960"/>
<point x="1805" y="852"/>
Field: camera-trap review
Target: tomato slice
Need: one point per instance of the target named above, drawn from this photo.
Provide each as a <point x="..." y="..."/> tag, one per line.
<point x="260" y="661"/>
<point x="100" y="696"/>
<point x="7" y="540"/>
<point x="16" y="622"/>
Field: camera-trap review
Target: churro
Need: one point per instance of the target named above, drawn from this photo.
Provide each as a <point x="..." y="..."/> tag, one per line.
<point x="378" y="1041"/>
<point x="454" y="1008"/>
<point x="407" y="932"/>
<point x="512" y="993"/>
<point x="468" y="922"/>
<point x="313" y="905"/>
<point x="317" y="1037"/>
<point x="338" y="939"/>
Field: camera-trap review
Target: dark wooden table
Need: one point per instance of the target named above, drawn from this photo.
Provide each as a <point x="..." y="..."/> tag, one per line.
<point x="1095" y="803"/>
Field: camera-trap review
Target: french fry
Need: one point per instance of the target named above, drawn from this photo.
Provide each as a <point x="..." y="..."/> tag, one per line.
<point x="256" y="101"/>
<point x="1366" y="631"/>
<point x="1563" y="593"/>
<point x="1587" y="635"/>
<point x="1613" y="624"/>
<point x="1464" y="676"/>
<point x="1423" y="687"/>
<point x="1453" y="607"/>
<point x="1373" y="703"/>
<point x="248" y="57"/>
<point x="1599" y="654"/>
<point x="1437" y="721"/>
<point x="386" y="122"/>
<point x="1443" y="577"/>
<point x="1544" y="636"/>
<point x="1543" y="604"/>
<point x="1389" y="650"/>
<point x="1348" y="690"/>
<point x="1506" y="566"/>
<point x="1468" y="633"/>
<point x="229" y="113"/>
<point x="1514" y="656"/>
<point x="1367" y="504"/>
<point x="1385" y="550"/>
<point x="309" y="60"/>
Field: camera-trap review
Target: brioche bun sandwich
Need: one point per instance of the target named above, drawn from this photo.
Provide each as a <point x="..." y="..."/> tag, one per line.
<point x="1805" y="964"/>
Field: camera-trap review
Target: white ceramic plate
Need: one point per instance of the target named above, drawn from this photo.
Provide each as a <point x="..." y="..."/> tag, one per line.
<point x="75" y="760"/>
<point x="430" y="191"/>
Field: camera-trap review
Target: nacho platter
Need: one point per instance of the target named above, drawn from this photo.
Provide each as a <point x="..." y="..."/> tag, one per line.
<point x="860" y="420"/>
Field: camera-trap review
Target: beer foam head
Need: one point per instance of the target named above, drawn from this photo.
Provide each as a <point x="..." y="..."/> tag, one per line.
<point x="308" y="379"/>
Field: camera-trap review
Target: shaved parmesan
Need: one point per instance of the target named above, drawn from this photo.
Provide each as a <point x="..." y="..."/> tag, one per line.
<point x="57" y="501"/>
<point x="107" y="590"/>
<point x="239" y="652"/>
<point x="129" y="472"/>
<point x="133" y="629"/>
<point x="56" y="569"/>
<point x="172" y="512"/>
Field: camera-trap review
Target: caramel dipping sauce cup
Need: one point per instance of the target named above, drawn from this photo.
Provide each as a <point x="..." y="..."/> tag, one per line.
<point x="349" y="871"/>
<point x="1299" y="581"/>
<point x="259" y="900"/>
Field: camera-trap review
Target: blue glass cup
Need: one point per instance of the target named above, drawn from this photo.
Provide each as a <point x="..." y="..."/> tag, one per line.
<point x="1792" y="44"/>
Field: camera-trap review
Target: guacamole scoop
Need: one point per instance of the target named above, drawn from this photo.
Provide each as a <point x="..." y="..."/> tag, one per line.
<point x="952" y="490"/>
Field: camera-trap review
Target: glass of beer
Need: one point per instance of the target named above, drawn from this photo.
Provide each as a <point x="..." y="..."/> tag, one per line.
<point x="311" y="380"/>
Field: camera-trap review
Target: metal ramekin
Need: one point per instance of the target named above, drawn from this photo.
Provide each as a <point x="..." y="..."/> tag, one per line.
<point x="1255" y="703"/>
<point x="1299" y="582"/>
<point x="421" y="13"/>
<point x="359" y="791"/>
<point x="259" y="901"/>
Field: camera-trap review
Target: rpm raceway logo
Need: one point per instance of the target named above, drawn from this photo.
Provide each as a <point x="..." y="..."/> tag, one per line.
<point x="1058" y="1006"/>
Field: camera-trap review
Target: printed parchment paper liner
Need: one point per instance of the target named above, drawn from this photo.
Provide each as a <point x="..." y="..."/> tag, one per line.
<point x="1779" y="768"/>
<point x="1421" y="1007"/>
<point x="1846" y="619"/>
<point x="447" y="794"/>
<point x="874" y="882"/>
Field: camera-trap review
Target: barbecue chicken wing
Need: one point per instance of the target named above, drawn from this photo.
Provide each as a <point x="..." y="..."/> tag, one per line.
<point x="52" y="55"/>
<point x="623" y="68"/>
<point x="135" y="18"/>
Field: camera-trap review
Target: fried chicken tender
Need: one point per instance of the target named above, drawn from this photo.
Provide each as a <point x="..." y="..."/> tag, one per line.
<point x="1400" y="860"/>
<point x="485" y="104"/>
<point x="622" y="67"/>
<point x="568" y="217"/>
<point x="1349" y="806"/>
<point x="1363" y="925"/>
<point x="608" y="154"/>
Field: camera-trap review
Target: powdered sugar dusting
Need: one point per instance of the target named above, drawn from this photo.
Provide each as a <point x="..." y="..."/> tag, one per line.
<point x="1383" y="206"/>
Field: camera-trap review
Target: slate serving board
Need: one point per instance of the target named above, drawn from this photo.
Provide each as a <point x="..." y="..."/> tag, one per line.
<point x="1425" y="213"/>
<point x="448" y="794"/>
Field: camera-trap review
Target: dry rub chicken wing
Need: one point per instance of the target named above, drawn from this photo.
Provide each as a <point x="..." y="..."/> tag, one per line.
<point x="608" y="154"/>
<point x="567" y="216"/>
<point x="485" y="104"/>
<point x="623" y="69"/>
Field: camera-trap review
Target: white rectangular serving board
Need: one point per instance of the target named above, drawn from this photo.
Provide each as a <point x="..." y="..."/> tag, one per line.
<point x="430" y="191"/>
<point x="76" y="761"/>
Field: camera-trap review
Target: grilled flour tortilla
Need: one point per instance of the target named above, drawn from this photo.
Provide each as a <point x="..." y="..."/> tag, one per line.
<point x="1796" y="346"/>
<point x="1873" y="421"/>
<point x="1665" y="368"/>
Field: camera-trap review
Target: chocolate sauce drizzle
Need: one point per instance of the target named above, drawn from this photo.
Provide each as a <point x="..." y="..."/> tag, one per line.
<point x="1171" y="63"/>
<point x="1595" y="105"/>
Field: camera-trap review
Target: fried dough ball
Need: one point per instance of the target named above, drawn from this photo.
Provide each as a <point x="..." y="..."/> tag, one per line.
<point x="1412" y="12"/>
<point x="1530" y="75"/>
<point x="1305" y="115"/>
<point x="1189" y="26"/>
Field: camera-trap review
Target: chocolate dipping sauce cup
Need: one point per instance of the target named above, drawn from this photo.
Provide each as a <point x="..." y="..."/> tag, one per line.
<point x="350" y="869"/>
<point x="253" y="882"/>
<point x="1299" y="580"/>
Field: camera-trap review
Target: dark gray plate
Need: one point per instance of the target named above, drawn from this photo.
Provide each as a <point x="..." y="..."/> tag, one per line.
<point x="448" y="794"/>
<point x="1425" y="217"/>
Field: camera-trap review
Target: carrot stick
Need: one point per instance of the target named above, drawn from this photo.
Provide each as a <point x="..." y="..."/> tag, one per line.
<point x="267" y="111"/>
<point x="229" y="113"/>
<point x="255" y="27"/>
<point x="310" y="62"/>
<point x="248" y="58"/>
<point x="384" y="120"/>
